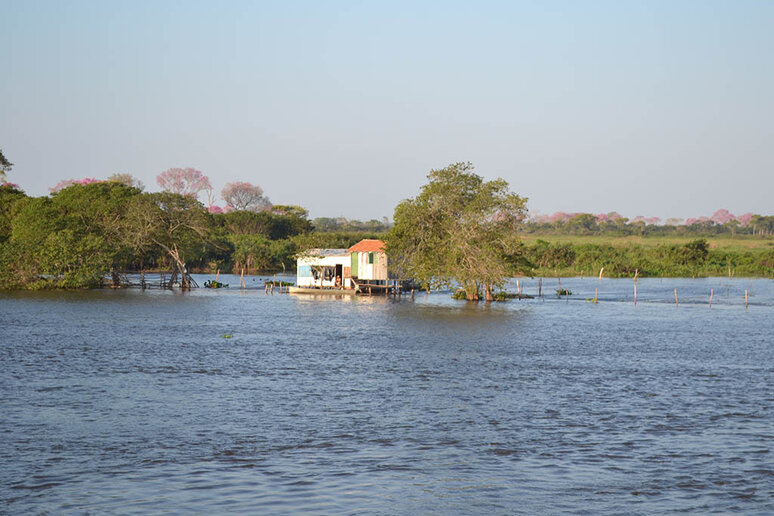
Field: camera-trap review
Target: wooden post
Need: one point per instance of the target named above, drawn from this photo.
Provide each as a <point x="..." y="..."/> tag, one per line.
<point x="242" y="278"/>
<point x="217" y="275"/>
<point x="540" y="287"/>
<point x="746" y="299"/>
<point x="636" y="274"/>
<point x="677" y="301"/>
<point x="712" y="293"/>
<point x="635" y="293"/>
<point x="596" y="295"/>
<point x="142" y="279"/>
<point x="518" y="287"/>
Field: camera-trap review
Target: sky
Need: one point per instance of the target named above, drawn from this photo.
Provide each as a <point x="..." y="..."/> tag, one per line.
<point x="656" y="108"/>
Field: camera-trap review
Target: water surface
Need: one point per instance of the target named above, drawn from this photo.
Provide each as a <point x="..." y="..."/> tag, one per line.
<point x="212" y="401"/>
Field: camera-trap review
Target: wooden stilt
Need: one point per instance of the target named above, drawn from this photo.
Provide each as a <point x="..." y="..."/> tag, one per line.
<point x="677" y="301"/>
<point x="746" y="299"/>
<point x="635" y="294"/>
<point x="712" y="293"/>
<point x="540" y="287"/>
<point x="596" y="295"/>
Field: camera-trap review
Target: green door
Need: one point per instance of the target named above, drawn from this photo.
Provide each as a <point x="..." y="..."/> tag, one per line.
<point x="353" y="273"/>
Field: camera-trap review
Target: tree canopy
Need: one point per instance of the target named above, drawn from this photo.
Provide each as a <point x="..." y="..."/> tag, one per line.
<point x="5" y="166"/>
<point x="459" y="230"/>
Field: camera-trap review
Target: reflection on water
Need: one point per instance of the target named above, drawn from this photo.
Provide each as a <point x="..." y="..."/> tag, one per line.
<point x="131" y="401"/>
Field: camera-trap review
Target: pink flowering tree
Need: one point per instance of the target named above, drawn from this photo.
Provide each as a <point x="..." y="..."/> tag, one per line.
<point x="745" y="219"/>
<point x="184" y="181"/>
<point x="561" y="216"/>
<point x="652" y="220"/>
<point x="69" y="182"/>
<point x="722" y="216"/>
<point x="245" y="196"/>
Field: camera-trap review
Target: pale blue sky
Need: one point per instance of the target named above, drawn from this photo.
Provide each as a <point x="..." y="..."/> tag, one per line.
<point x="652" y="108"/>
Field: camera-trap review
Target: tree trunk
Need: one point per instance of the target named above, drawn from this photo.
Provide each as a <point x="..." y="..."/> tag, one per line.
<point x="116" y="279"/>
<point x="488" y="292"/>
<point x="180" y="268"/>
<point x="471" y="291"/>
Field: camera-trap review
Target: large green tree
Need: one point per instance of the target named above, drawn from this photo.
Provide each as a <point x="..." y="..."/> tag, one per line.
<point x="459" y="230"/>
<point x="69" y="240"/>
<point x="176" y="225"/>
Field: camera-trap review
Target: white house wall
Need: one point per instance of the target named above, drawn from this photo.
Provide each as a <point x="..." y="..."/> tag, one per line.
<point x="375" y="271"/>
<point x="329" y="261"/>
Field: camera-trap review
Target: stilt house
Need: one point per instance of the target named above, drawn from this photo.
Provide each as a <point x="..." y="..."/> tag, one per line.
<point x="365" y="263"/>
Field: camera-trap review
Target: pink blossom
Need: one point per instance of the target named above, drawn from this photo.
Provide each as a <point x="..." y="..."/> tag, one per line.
<point x="561" y="216"/>
<point x="10" y="185"/>
<point x="652" y="220"/>
<point x="691" y="221"/>
<point x="215" y="209"/>
<point x="70" y="182"/>
<point x="241" y="195"/>
<point x="722" y="216"/>
<point x="745" y="219"/>
<point x="183" y="181"/>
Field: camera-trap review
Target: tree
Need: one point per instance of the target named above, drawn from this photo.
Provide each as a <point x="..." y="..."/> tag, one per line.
<point x="128" y="180"/>
<point x="5" y="167"/>
<point x="183" y="181"/>
<point x="176" y="224"/>
<point x="245" y="196"/>
<point x="459" y="230"/>
<point x="73" y="238"/>
<point x="64" y="183"/>
<point x="9" y="201"/>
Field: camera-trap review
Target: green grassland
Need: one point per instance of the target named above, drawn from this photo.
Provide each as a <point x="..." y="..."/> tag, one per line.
<point x="656" y="256"/>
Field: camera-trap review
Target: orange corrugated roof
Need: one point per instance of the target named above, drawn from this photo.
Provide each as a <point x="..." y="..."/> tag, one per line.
<point x="369" y="245"/>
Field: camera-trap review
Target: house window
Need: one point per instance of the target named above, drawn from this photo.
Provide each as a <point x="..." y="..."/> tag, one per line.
<point x="370" y="258"/>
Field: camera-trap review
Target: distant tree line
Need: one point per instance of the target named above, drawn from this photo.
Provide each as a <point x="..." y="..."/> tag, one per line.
<point x="720" y="223"/>
<point x="342" y="224"/>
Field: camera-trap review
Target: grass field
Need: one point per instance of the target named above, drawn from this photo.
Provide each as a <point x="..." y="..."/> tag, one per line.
<point x="727" y="243"/>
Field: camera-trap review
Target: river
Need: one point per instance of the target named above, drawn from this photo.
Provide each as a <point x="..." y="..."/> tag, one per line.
<point x="229" y="401"/>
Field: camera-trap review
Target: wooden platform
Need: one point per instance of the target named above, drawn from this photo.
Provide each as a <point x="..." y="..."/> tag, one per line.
<point x="322" y="291"/>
